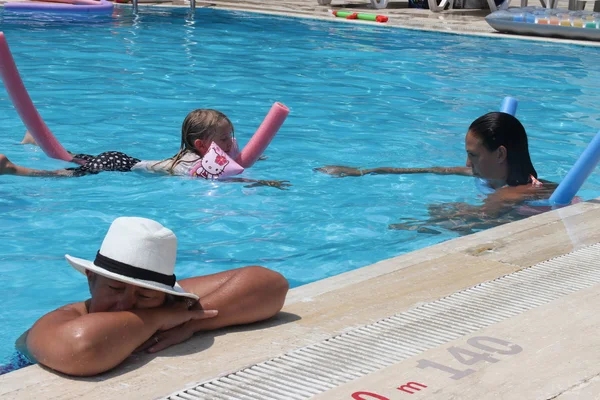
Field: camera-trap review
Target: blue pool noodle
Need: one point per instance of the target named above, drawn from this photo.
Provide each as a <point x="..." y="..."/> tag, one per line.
<point x="579" y="172"/>
<point x="509" y="106"/>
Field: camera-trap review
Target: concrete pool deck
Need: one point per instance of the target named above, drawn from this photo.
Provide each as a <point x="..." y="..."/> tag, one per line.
<point x="558" y="340"/>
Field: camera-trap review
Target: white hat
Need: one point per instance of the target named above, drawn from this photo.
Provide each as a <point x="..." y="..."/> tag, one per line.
<point x="138" y="251"/>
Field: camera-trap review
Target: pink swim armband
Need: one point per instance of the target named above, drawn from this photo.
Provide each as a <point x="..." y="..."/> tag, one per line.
<point x="215" y="164"/>
<point x="22" y="102"/>
<point x="263" y="135"/>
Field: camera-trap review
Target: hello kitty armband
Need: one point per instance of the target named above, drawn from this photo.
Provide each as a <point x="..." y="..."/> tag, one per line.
<point x="215" y="164"/>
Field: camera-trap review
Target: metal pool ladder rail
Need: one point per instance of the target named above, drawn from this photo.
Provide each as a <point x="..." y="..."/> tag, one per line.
<point x="135" y="5"/>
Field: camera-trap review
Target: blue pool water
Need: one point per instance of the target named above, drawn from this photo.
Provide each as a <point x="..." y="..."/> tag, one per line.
<point x="363" y="96"/>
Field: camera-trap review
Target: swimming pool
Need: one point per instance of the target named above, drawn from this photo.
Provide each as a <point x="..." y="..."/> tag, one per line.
<point x="365" y="96"/>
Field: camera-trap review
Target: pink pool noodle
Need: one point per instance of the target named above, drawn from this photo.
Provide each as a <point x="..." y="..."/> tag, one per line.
<point x="76" y="2"/>
<point x="54" y="6"/>
<point x="263" y="135"/>
<point x="24" y="106"/>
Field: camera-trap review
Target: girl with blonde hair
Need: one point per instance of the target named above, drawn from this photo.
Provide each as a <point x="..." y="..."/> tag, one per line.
<point x="199" y="130"/>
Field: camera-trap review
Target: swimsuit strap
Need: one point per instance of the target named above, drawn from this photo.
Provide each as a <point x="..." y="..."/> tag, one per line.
<point x="535" y="182"/>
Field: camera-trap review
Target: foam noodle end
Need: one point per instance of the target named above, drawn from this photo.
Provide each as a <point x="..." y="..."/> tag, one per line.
<point x="509" y="106"/>
<point x="24" y="106"/>
<point x="263" y="135"/>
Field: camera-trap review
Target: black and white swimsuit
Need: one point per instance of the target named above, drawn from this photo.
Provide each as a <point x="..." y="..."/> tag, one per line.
<point x="121" y="162"/>
<point x="107" y="161"/>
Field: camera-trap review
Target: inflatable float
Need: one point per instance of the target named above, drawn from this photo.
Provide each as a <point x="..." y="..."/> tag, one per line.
<point x="64" y="6"/>
<point x="540" y="21"/>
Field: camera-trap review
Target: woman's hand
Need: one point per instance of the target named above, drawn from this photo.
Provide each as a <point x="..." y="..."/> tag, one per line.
<point x="176" y="314"/>
<point x="177" y="325"/>
<point x="281" y="185"/>
<point x="164" y="339"/>
<point x="339" y="171"/>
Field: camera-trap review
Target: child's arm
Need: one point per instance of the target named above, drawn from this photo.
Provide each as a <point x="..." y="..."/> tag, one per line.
<point x="341" y="171"/>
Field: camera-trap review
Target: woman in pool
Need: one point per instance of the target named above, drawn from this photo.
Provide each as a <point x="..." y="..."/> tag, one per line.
<point x="498" y="154"/>
<point x="200" y="129"/>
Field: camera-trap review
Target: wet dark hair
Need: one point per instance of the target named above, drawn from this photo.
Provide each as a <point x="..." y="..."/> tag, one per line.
<point x="497" y="129"/>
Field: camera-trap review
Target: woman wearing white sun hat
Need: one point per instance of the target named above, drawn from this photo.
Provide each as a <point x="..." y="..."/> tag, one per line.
<point x="137" y="304"/>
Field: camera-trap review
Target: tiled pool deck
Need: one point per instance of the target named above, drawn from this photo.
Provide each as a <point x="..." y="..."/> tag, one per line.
<point x="559" y="341"/>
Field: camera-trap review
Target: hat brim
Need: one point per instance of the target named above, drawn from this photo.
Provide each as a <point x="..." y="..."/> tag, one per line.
<point x="82" y="265"/>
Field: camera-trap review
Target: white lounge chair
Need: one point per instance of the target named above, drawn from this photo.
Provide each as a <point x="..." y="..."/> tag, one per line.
<point x="375" y="3"/>
<point x="433" y="6"/>
<point x="580" y="5"/>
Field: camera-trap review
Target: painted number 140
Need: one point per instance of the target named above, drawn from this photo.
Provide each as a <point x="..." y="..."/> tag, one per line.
<point x="469" y="357"/>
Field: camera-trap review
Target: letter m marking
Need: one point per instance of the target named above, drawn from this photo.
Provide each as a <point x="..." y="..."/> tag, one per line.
<point x="411" y="387"/>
